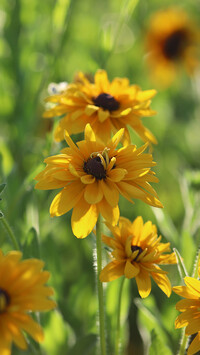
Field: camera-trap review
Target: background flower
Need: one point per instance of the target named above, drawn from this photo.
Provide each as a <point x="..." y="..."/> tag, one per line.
<point x="137" y="252"/>
<point x="107" y="106"/>
<point x="22" y="289"/>
<point x="92" y="176"/>
<point x="171" y="39"/>
<point x="190" y="308"/>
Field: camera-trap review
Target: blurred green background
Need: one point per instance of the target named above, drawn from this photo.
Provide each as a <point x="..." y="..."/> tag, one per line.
<point x="49" y="41"/>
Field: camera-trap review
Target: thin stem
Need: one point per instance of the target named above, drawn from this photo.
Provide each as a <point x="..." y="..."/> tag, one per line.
<point x="100" y="288"/>
<point x="118" y="326"/>
<point x="183" y="344"/>
<point x="10" y="233"/>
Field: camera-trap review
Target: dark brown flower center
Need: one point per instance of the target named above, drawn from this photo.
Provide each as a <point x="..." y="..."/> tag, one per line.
<point x="106" y="102"/>
<point x="4" y="300"/>
<point x="95" y="167"/>
<point x="175" y="44"/>
<point x="134" y="248"/>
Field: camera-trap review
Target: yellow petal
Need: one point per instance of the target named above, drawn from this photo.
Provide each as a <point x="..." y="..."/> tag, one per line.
<point x="90" y="109"/>
<point x="184" y="291"/>
<point x="103" y="115"/>
<point x="84" y="218"/>
<point x="111" y="214"/>
<point x="131" y="270"/>
<point x="89" y="133"/>
<point x="195" y="345"/>
<point x="93" y="193"/>
<point x="117" y="174"/>
<point x="193" y="285"/>
<point x="112" y="271"/>
<point x="87" y="179"/>
<point x="116" y="138"/>
<point x="110" y="192"/>
<point x="143" y="283"/>
<point x="101" y="80"/>
<point x="66" y="199"/>
<point x="162" y="282"/>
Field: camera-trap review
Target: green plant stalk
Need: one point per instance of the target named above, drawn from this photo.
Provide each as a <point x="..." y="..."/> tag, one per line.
<point x="10" y="233"/>
<point x="100" y="288"/>
<point x="183" y="344"/>
<point x="118" y="324"/>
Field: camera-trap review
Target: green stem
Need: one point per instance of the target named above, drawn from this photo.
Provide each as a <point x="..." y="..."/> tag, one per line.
<point x="117" y="342"/>
<point x="182" y="344"/>
<point x="100" y="288"/>
<point x="10" y="233"/>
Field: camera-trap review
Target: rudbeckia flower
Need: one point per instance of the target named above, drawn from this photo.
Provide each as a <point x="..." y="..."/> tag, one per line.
<point x="136" y="253"/>
<point x="190" y="308"/>
<point x="107" y="106"/>
<point x="93" y="175"/>
<point x="171" y="41"/>
<point x="22" y="290"/>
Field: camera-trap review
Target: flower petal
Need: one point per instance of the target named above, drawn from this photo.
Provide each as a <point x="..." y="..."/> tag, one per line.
<point x="131" y="270"/>
<point x="66" y="199"/>
<point x="84" y="218"/>
<point x="143" y="283"/>
<point x="93" y="193"/>
<point x="112" y="271"/>
<point x="195" y="345"/>
<point x="111" y="214"/>
<point x="110" y="192"/>
<point x="162" y="282"/>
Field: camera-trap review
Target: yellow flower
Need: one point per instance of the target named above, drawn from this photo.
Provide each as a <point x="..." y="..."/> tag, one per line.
<point x="137" y="252"/>
<point x="93" y="175"/>
<point x="190" y="308"/>
<point x="171" y="40"/>
<point x="22" y="290"/>
<point x="107" y="106"/>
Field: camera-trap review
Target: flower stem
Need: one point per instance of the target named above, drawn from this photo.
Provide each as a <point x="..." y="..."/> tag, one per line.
<point x="183" y="344"/>
<point x="117" y="342"/>
<point x="100" y="288"/>
<point x="10" y="233"/>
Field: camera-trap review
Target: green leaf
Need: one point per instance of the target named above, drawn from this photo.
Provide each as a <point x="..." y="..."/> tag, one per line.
<point x="181" y="266"/>
<point x="2" y="187"/>
<point x="31" y="246"/>
<point x="157" y="346"/>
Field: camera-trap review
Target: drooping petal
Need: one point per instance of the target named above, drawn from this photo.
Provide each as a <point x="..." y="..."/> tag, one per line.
<point x="110" y="192"/>
<point x="143" y="281"/>
<point x="112" y="271"/>
<point x="131" y="270"/>
<point x="84" y="218"/>
<point x="93" y="193"/>
<point x="162" y="282"/>
<point x="195" y="345"/>
<point x="111" y="214"/>
<point x="66" y="199"/>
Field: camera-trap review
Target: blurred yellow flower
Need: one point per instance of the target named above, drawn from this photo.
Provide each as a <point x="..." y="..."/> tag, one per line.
<point x="93" y="175"/>
<point x="107" y="106"/>
<point x="22" y="290"/>
<point x="190" y="308"/>
<point x="172" y="39"/>
<point x="137" y="252"/>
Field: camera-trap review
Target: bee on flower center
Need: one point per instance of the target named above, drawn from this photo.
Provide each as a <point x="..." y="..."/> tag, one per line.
<point x="4" y="300"/>
<point x="106" y="102"/>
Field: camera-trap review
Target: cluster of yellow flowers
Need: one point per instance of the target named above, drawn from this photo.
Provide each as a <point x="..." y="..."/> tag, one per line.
<point x="92" y="174"/>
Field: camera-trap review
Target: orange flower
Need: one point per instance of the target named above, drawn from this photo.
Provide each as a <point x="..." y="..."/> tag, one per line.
<point x="92" y="176"/>
<point x="171" y="40"/>
<point x="190" y="308"/>
<point x="22" y="290"/>
<point x="137" y="252"/>
<point x="107" y="106"/>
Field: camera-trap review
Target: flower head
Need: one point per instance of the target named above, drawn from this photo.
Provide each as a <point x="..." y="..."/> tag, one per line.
<point x="136" y="253"/>
<point x="171" y="40"/>
<point x="107" y="106"/>
<point x="190" y="308"/>
<point x="22" y="290"/>
<point x="93" y="175"/>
